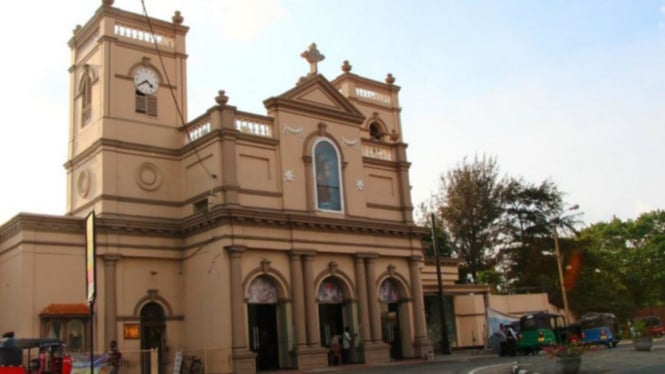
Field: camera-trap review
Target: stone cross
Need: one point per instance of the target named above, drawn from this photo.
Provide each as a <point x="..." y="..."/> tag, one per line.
<point x="313" y="56"/>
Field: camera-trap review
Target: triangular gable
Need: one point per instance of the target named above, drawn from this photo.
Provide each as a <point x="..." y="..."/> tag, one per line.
<point x="316" y="95"/>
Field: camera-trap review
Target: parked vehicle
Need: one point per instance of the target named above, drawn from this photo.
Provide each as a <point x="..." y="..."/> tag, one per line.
<point x="538" y="330"/>
<point x="34" y="356"/>
<point x="654" y="325"/>
<point x="600" y="328"/>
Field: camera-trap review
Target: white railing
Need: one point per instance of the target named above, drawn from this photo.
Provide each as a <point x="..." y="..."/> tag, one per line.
<point x="372" y="95"/>
<point x="378" y="152"/>
<point x="254" y="126"/>
<point x="143" y="35"/>
<point x="198" y="129"/>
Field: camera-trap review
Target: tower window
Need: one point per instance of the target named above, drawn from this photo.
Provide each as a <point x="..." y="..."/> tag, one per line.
<point x="146" y="104"/>
<point x="376" y="131"/>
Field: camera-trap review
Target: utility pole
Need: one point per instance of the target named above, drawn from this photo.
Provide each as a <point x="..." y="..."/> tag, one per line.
<point x="557" y="252"/>
<point x="445" y="346"/>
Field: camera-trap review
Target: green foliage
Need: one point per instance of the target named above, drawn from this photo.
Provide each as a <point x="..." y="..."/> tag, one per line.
<point x="470" y="206"/>
<point x="623" y="266"/>
<point x="502" y="230"/>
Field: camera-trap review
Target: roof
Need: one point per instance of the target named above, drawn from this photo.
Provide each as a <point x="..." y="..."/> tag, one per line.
<point x="79" y="309"/>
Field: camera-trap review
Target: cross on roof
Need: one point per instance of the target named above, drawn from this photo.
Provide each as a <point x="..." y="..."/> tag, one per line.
<point x="313" y="56"/>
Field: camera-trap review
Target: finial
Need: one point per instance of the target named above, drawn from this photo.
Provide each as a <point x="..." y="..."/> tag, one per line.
<point x="76" y="29"/>
<point x="346" y="67"/>
<point x="177" y="17"/>
<point x="394" y="136"/>
<point x="390" y="79"/>
<point x="221" y="98"/>
<point x="107" y="2"/>
<point x="313" y="56"/>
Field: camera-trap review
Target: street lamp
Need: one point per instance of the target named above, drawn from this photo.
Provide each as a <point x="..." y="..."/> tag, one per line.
<point x="557" y="252"/>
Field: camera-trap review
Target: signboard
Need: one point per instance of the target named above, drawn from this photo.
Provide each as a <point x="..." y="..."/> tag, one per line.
<point x="90" y="249"/>
<point x="177" y="363"/>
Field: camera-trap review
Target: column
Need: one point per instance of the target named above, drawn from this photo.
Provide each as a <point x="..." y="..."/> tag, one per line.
<point x="310" y="305"/>
<point x="298" y="299"/>
<point x="238" y="339"/>
<point x="361" y="289"/>
<point x="110" y="297"/>
<point x="421" y="340"/>
<point x="373" y="300"/>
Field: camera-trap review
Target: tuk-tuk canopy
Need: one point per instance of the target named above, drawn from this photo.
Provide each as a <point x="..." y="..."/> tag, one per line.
<point x="595" y="319"/>
<point x="31" y="343"/>
<point x="540" y="320"/>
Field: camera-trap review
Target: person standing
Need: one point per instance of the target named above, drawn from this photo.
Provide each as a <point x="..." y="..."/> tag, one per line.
<point x="114" y="358"/>
<point x="346" y="345"/>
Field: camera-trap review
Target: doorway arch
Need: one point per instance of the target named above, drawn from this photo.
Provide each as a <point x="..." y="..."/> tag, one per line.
<point x="389" y="296"/>
<point x="153" y="333"/>
<point x="262" y="319"/>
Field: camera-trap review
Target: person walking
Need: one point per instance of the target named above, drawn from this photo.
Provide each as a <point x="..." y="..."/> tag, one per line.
<point x="114" y="358"/>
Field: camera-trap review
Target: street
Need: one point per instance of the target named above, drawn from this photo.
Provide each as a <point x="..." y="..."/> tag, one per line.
<point x="623" y="359"/>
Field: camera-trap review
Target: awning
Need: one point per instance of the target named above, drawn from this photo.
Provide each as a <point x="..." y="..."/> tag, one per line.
<point x="65" y="310"/>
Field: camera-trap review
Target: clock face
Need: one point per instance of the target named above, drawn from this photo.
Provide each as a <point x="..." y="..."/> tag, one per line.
<point x="146" y="80"/>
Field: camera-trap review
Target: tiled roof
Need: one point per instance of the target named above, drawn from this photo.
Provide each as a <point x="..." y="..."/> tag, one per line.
<point x="66" y="309"/>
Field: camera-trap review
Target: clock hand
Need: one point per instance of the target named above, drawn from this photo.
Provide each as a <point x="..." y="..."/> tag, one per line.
<point x="145" y="81"/>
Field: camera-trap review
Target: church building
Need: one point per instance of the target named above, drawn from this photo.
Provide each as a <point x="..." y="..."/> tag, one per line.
<point x="250" y="239"/>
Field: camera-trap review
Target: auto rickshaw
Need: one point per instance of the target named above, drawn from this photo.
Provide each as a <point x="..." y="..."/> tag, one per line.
<point x="41" y="355"/>
<point x="540" y="329"/>
<point x="600" y="328"/>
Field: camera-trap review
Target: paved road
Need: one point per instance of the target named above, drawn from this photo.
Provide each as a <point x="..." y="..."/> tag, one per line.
<point x="621" y="360"/>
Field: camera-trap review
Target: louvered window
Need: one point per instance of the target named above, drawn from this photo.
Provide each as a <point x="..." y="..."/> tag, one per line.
<point x="146" y="104"/>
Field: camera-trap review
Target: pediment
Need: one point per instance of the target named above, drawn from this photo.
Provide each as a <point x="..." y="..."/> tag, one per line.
<point x="318" y="96"/>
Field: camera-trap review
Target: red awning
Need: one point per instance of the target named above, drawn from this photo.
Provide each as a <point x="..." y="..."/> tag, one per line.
<point x="60" y="310"/>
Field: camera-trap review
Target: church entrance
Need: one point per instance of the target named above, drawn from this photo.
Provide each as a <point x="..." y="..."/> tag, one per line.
<point x="263" y="329"/>
<point x="390" y="318"/>
<point x="153" y="329"/>
<point x="332" y="321"/>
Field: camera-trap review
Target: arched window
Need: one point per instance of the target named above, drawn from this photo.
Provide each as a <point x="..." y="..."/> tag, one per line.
<point x="388" y="292"/>
<point x="327" y="172"/>
<point x="262" y="291"/>
<point x="376" y="131"/>
<point x="330" y="292"/>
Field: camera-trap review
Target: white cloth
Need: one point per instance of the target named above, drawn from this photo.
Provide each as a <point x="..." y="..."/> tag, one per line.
<point x="346" y="341"/>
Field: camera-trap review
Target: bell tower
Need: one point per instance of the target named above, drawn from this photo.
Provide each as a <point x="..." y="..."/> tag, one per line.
<point x="128" y="88"/>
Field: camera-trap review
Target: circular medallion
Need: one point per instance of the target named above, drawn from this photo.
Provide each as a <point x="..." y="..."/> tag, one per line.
<point x="148" y="176"/>
<point x="83" y="183"/>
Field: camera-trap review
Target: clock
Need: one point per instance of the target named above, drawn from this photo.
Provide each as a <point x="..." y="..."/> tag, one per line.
<point x="146" y="80"/>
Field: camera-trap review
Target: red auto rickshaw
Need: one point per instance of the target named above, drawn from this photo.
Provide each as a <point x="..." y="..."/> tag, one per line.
<point x="41" y="355"/>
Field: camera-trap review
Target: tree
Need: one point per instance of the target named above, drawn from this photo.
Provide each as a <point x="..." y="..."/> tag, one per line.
<point x="628" y="259"/>
<point x="530" y="213"/>
<point x="470" y="204"/>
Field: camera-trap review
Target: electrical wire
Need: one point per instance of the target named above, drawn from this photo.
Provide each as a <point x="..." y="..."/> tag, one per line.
<point x="168" y="82"/>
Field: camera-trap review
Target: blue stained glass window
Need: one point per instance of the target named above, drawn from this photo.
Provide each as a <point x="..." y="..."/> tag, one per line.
<point x="328" y="193"/>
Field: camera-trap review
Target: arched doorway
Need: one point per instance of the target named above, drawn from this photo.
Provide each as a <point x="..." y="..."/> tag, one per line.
<point x="153" y="334"/>
<point x="331" y="317"/>
<point x="389" y="296"/>
<point x="262" y="313"/>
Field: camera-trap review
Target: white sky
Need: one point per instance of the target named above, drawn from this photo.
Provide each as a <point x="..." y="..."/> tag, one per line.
<point x="573" y="91"/>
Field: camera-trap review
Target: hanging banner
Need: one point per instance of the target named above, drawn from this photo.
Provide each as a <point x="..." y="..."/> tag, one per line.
<point x="90" y="249"/>
<point x="496" y="318"/>
<point x="81" y="364"/>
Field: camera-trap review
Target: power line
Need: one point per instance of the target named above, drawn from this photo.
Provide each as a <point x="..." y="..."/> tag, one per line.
<point x="170" y="87"/>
